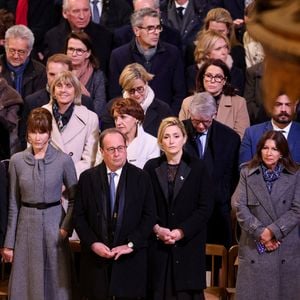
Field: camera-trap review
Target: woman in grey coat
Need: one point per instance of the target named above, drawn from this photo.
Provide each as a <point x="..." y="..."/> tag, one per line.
<point x="268" y="211"/>
<point x="36" y="239"/>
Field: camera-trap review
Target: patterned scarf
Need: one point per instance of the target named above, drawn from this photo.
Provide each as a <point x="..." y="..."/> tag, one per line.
<point x="271" y="175"/>
<point x="62" y="119"/>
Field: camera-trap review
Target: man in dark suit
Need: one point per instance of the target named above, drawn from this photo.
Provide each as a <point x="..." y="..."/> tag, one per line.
<point x="125" y="34"/>
<point x="282" y="120"/>
<point x="77" y="15"/>
<point x="56" y="64"/>
<point x="218" y="146"/>
<point x="161" y="59"/>
<point x="114" y="216"/>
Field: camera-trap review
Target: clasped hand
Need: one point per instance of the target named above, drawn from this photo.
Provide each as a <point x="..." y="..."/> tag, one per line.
<point x="114" y="253"/>
<point x="168" y="236"/>
<point x="267" y="238"/>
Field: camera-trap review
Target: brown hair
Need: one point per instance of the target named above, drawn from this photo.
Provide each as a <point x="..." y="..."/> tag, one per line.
<point x="129" y="107"/>
<point x="86" y="40"/>
<point x="60" y="58"/>
<point x="105" y="132"/>
<point x="39" y="120"/>
<point x="282" y="146"/>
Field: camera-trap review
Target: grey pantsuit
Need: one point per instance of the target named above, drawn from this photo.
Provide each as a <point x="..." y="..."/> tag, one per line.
<point x="41" y="267"/>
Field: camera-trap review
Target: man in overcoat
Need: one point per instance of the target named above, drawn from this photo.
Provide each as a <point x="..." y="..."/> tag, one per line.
<point x="114" y="216"/>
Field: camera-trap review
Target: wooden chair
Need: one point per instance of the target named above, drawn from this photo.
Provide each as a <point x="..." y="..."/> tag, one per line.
<point x="3" y="283"/>
<point x="216" y="290"/>
<point x="232" y="271"/>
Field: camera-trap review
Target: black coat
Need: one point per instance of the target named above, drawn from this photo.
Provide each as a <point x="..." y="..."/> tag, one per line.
<point x="135" y="223"/>
<point x="38" y="99"/>
<point x="221" y="159"/>
<point x="34" y="76"/>
<point x="157" y="111"/>
<point x="189" y="210"/>
<point x="166" y="65"/>
<point x="101" y="37"/>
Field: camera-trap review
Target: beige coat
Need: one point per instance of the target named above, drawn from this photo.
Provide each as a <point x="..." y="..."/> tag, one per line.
<point x="232" y="112"/>
<point x="80" y="137"/>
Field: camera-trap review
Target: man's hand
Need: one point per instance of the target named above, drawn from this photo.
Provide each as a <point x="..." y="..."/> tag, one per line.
<point x="120" y="250"/>
<point x="7" y="254"/>
<point x="102" y="250"/>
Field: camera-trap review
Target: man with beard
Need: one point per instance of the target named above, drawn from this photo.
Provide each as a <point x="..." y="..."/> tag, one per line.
<point x="282" y="116"/>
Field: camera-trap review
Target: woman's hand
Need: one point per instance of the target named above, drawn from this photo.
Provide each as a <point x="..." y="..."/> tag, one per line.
<point x="7" y="254"/>
<point x="272" y="245"/>
<point x="266" y="236"/>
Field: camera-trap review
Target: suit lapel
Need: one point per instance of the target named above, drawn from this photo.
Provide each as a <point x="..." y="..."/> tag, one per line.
<point x="162" y="177"/>
<point x="182" y="173"/>
<point x="258" y="187"/>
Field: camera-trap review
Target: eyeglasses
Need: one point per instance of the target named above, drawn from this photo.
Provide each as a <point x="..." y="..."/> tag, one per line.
<point x="78" y="51"/>
<point x="139" y="89"/>
<point x="112" y="150"/>
<point x="20" y="52"/>
<point x="205" y="123"/>
<point x="152" y="29"/>
<point x="217" y="78"/>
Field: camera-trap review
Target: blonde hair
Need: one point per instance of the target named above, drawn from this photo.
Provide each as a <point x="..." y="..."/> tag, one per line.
<point x="167" y="122"/>
<point x="205" y="43"/>
<point x="132" y="72"/>
<point x="67" y="77"/>
<point x="221" y="15"/>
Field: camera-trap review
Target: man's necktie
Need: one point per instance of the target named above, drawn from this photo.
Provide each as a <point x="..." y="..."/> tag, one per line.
<point x="199" y="144"/>
<point x="96" y="16"/>
<point x="112" y="191"/>
<point x="180" y="12"/>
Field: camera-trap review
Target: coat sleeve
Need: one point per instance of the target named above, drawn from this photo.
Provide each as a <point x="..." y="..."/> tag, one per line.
<point x="246" y="219"/>
<point x="88" y="157"/>
<point x="291" y="218"/>
<point x="70" y="181"/>
<point x="3" y="203"/>
<point x="14" y="206"/>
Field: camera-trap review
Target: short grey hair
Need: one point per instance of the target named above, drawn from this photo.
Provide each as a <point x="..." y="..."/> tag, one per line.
<point x="137" y="17"/>
<point x="156" y="3"/>
<point x="203" y="104"/>
<point x="21" y="32"/>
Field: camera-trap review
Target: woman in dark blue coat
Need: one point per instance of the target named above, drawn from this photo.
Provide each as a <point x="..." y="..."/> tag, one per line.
<point x="183" y="191"/>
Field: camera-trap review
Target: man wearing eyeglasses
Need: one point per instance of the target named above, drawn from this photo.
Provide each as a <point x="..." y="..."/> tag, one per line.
<point x="159" y="58"/>
<point x="114" y="216"/>
<point x="77" y="17"/>
<point x="218" y="146"/>
<point x="23" y="73"/>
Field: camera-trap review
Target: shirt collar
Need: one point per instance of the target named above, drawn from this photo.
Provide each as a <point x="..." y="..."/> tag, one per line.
<point x="285" y="131"/>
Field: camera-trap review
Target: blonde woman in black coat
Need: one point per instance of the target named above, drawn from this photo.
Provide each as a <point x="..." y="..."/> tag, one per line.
<point x="182" y="190"/>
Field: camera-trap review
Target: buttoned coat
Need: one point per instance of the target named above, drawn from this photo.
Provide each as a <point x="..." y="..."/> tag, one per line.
<point x="274" y="275"/>
<point x="137" y="211"/>
<point x="232" y="111"/>
<point x="189" y="210"/>
<point x="254" y="133"/>
<point x="80" y="137"/>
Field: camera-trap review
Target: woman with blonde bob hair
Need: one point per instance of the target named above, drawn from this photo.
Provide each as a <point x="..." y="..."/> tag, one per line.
<point x="211" y="44"/>
<point x="134" y="82"/>
<point x="75" y="128"/>
<point x="182" y="190"/>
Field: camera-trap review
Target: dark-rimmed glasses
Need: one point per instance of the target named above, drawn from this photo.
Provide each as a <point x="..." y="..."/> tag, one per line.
<point x="139" y="89"/>
<point x="152" y="29"/>
<point x="210" y="77"/>
<point x="78" y="51"/>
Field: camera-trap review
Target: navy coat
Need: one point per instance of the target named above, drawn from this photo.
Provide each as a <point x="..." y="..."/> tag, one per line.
<point x="166" y="64"/>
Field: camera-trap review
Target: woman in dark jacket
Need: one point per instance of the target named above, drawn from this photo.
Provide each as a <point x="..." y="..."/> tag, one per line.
<point x="182" y="189"/>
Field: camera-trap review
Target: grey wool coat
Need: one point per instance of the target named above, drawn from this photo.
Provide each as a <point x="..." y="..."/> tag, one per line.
<point x="272" y="275"/>
<point x="41" y="268"/>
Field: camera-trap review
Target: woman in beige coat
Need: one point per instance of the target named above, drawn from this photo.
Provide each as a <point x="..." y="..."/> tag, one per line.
<point x="75" y="128"/>
<point x="214" y="77"/>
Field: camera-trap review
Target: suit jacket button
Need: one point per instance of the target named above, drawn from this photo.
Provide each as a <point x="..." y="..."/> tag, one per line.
<point x="71" y="153"/>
